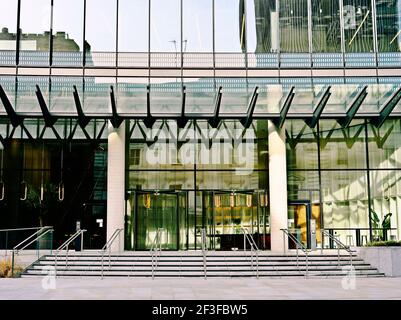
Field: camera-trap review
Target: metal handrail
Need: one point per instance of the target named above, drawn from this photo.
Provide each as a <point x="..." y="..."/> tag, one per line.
<point x="66" y="245"/>
<point x="155" y="251"/>
<point x="254" y="251"/>
<point x="299" y="245"/>
<point x="204" y="251"/>
<point x="39" y="234"/>
<point x="108" y="245"/>
<point x="340" y="245"/>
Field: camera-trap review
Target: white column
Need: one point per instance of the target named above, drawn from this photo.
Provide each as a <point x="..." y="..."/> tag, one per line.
<point x="277" y="187"/>
<point x="116" y="184"/>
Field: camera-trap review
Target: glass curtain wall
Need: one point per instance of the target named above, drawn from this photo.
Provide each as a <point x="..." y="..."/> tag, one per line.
<point x="357" y="192"/>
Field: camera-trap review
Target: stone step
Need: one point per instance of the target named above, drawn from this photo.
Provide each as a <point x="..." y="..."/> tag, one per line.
<point x="197" y="264"/>
<point x="175" y="273"/>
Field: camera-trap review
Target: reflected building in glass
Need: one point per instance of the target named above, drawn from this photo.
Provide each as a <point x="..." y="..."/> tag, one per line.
<point x="202" y="115"/>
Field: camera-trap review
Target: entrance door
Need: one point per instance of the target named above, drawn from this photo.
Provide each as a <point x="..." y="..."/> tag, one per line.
<point x="300" y="213"/>
<point x="160" y="209"/>
<point x="226" y="212"/>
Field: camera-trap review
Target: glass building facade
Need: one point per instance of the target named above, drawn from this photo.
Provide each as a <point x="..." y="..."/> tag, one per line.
<point x="196" y="84"/>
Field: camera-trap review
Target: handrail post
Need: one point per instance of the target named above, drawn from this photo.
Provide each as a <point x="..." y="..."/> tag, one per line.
<point x="307" y="263"/>
<point x="82" y="241"/>
<point x="6" y="242"/>
<point x="12" y="265"/>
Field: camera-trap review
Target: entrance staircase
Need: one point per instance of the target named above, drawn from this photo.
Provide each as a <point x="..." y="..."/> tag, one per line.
<point x="191" y="264"/>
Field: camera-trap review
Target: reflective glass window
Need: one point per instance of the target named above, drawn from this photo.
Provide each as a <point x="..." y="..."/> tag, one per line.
<point x="35" y="32"/>
<point x="197" y="26"/>
<point x="165" y="26"/>
<point x="326" y="30"/>
<point x="388" y="14"/>
<point x="358" y="28"/>
<point x="8" y="25"/>
<point x="230" y="26"/>
<point x="262" y="26"/>
<point x="68" y="25"/>
<point x="342" y="148"/>
<point x="100" y="32"/>
<point x="294" y="26"/>
<point x="133" y="31"/>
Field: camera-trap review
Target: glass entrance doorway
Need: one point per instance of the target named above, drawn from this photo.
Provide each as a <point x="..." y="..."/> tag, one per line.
<point x="300" y="214"/>
<point x="163" y="210"/>
<point x="227" y="212"/>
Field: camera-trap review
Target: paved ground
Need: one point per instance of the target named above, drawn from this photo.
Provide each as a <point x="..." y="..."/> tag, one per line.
<point x="200" y="289"/>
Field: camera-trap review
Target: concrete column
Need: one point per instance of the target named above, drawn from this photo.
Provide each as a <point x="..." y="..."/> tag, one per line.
<point x="277" y="187"/>
<point x="116" y="184"/>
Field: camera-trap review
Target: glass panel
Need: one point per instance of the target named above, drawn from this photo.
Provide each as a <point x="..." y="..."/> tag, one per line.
<point x="165" y="95"/>
<point x="262" y="26"/>
<point x="200" y="95"/>
<point x="61" y="94"/>
<point x="232" y="147"/>
<point x="8" y="23"/>
<point x="68" y="25"/>
<point x="303" y="185"/>
<point x="35" y="32"/>
<point x="345" y="202"/>
<point x="326" y="32"/>
<point x="294" y="26"/>
<point x="197" y="26"/>
<point x="162" y="150"/>
<point x="386" y="203"/>
<point x="132" y="95"/>
<point x="26" y="97"/>
<point x="231" y="180"/>
<point x="230" y="26"/>
<point x="97" y="94"/>
<point x="100" y="33"/>
<point x="384" y="145"/>
<point x="133" y="20"/>
<point x="301" y="142"/>
<point x="342" y="148"/>
<point x="8" y="84"/>
<point x="388" y="14"/>
<point x="358" y="27"/>
<point x="165" y="25"/>
<point x="236" y="95"/>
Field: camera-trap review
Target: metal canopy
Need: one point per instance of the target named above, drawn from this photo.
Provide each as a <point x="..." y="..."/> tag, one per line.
<point x="215" y="120"/>
<point x="247" y="121"/>
<point x="82" y="119"/>
<point x="353" y="108"/>
<point x="317" y="111"/>
<point x="183" y="120"/>
<point x="47" y="116"/>
<point x="73" y="107"/>
<point x="279" y="122"/>
<point x="149" y="121"/>
<point x="386" y="109"/>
